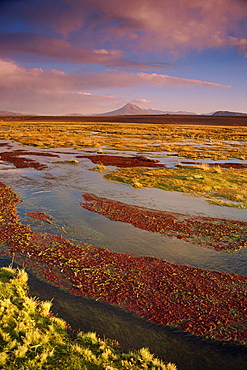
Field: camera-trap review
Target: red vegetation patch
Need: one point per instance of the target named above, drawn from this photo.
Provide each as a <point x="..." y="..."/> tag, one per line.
<point x="5" y="144"/>
<point x="20" y="162"/>
<point x="39" y="216"/>
<point x="205" y="303"/>
<point x="8" y="199"/>
<point x="51" y="177"/>
<point x="223" y="165"/>
<point x="219" y="234"/>
<point x="120" y="161"/>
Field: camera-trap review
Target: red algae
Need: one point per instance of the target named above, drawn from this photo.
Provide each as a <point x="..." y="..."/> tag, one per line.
<point x="219" y="234"/>
<point x="39" y="216"/>
<point x="8" y="199"/>
<point x="218" y="164"/>
<point x="206" y="303"/>
<point x="51" y="177"/>
<point x="20" y="162"/>
<point x="5" y="144"/>
<point x="120" y="161"/>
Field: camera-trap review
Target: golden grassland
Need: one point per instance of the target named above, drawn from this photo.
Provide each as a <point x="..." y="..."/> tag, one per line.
<point x="189" y="141"/>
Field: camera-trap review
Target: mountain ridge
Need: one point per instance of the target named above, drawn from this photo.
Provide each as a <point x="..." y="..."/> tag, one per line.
<point x="133" y="109"/>
<point x="7" y="113"/>
<point x="227" y="113"/>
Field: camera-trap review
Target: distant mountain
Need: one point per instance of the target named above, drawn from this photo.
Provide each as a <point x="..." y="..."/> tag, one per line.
<point x="132" y="109"/>
<point x="6" y="113"/>
<point x="227" y="113"/>
<point x="74" y="114"/>
<point x="181" y="112"/>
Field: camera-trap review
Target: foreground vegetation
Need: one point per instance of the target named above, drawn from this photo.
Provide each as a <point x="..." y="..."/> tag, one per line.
<point x="32" y="338"/>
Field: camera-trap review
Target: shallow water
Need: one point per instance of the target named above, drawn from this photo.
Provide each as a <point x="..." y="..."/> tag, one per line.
<point x="60" y="197"/>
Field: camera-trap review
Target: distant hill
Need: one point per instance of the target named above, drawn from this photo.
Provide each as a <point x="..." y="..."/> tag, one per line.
<point x="227" y="113"/>
<point x="132" y="109"/>
<point x="74" y="115"/>
<point x="7" y="113"/>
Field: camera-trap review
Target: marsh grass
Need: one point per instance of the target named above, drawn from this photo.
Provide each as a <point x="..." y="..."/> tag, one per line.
<point x="221" y="186"/>
<point x="72" y="161"/>
<point x="32" y="338"/>
<point x="195" y="142"/>
<point x="100" y="169"/>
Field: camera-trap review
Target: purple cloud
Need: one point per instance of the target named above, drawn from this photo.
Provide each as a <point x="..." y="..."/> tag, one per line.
<point x="157" y="25"/>
<point x="16" y="78"/>
<point x="58" y="48"/>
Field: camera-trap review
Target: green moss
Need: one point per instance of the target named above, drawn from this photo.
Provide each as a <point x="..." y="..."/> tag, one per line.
<point x="32" y="338"/>
<point x="221" y="186"/>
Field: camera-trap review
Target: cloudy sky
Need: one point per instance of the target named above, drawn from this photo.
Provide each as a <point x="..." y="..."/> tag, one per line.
<point x="93" y="56"/>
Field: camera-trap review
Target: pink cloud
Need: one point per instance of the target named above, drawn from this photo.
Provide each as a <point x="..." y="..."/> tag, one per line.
<point x="35" y="90"/>
<point x="46" y="92"/>
<point x="49" y="103"/>
<point x="240" y="44"/>
<point x="155" y="25"/>
<point x="18" y="78"/>
<point x="40" y="45"/>
<point x="141" y="101"/>
<point x="162" y="80"/>
<point x="145" y="24"/>
<point x="100" y="32"/>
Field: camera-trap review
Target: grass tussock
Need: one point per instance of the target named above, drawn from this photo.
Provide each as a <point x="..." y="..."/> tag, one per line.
<point x="72" y="161"/>
<point x="100" y="169"/>
<point x="32" y="338"/>
<point x="219" y="186"/>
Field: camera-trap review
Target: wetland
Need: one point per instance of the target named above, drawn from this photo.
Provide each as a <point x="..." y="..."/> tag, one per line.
<point x="149" y="218"/>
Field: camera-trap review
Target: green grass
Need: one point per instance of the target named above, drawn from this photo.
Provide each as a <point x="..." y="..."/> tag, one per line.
<point x="32" y="338"/>
<point x="219" y="186"/>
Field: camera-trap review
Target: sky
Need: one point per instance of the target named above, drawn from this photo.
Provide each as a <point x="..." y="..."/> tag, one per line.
<point x="60" y="57"/>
